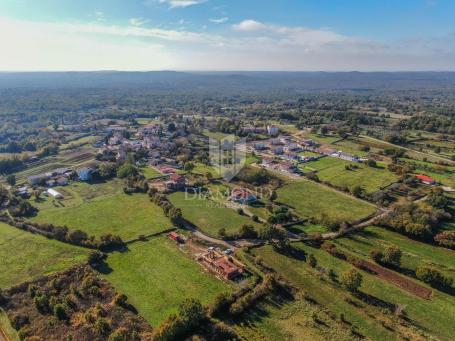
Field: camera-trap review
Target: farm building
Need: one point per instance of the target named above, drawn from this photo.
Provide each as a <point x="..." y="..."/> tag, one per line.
<point x="54" y="193"/>
<point x="426" y="179"/>
<point x="223" y="265"/>
<point x="243" y="196"/>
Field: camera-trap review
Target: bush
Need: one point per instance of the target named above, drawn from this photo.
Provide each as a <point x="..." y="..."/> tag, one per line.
<point x="446" y="238"/>
<point x="392" y="256"/>
<point x="351" y="280"/>
<point x="95" y="257"/>
<point x="311" y="260"/>
<point x="18" y="321"/>
<point x="102" y="326"/>
<point x="433" y="277"/>
<point x="376" y="255"/>
<point x="59" y="312"/>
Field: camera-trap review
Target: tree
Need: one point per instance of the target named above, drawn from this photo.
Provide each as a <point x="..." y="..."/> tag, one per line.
<point x="222" y="232"/>
<point x="273" y="196"/>
<point x="371" y="163"/>
<point x="437" y="199"/>
<point x="248" y="232"/>
<point x="351" y="279"/>
<point x="126" y="170"/>
<point x="11" y="179"/>
<point x="95" y="257"/>
<point x="376" y="255"/>
<point x="358" y="192"/>
<point x="59" y="312"/>
<point x="107" y="170"/>
<point x="392" y="256"/>
<point x="446" y="238"/>
<point x="189" y="166"/>
<point x="433" y="277"/>
<point x="77" y="236"/>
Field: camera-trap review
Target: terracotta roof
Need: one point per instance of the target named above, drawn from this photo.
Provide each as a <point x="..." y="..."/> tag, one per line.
<point x="424" y="177"/>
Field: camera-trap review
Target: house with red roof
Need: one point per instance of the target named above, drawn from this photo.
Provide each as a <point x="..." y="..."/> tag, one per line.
<point x="426" y="179"/>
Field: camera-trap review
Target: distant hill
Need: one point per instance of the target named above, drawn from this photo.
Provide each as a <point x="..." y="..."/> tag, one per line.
<point x="297" y="81"/>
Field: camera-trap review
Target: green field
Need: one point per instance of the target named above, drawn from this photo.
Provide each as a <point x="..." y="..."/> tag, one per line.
<point x="151" y="173"/>
<point x="125" y="215"/>
<point x="79" y="142"/>
<point x="156" y="276"/>
<point x="443" y="174"/>
<point x="202" y="169"/>
<point x="25" y="256"/>
<point x="350" y="146"/>
<point x="414" y="253"/>
<point x="436" y="315"/>
<point x="279" y="319"/>
<point x="333" y="170"/>
<point x="208" y="215"/>
<point x="312" y="200"/>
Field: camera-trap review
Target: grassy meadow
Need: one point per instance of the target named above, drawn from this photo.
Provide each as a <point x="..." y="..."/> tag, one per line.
<point x="333" y="170"/>
<point x="25" y="256"/>
<point x="125" y="215"/>
<point x="156" y="276"/>
<point x="312" y="200"/>
<point x="436" y="315"/>
<point x="210" y="216"/>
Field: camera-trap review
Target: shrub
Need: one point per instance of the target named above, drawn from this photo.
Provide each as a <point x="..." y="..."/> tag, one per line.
<point x="433" y="277"/>
<point x="392" y="256"/>
<point x="102" y="326"/>
<point x="311" y="260"/>
<point x="376" y="255"/>
<point x="60" y="312"/>
<point x="95" y="257"/>
<point x="18" y="321"/>
<point x="446" y="238"/>
<point x="351" y="280"/>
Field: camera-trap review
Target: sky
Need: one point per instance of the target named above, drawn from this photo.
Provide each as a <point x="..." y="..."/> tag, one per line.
<point x="224" y="35"/>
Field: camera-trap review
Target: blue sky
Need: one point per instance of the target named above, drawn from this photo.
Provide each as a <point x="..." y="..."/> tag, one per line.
<point x="227" y="35"/>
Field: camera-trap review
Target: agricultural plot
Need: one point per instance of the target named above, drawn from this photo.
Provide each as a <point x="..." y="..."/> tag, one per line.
<point x="437" y="315"/>
<point x="25" y="256"/>
<point x="203" y="169"/>
<point x="65" y="159"/>
<point x="280" y="319"/>
<point x="83" y="141"/>
<point x="333" y="170"/>
<point x="156" y="276"/>
<point x="313" y="200"/>
<point x="350" y="146"/>
<point x="151" y="173"/>
<point x="443" y="174"/>
<point x="125" y="215"/>
<point x="414" y="253"/>
<point x="209" y="215"/>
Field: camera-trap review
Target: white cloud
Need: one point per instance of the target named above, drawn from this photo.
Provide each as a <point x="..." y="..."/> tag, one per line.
<point x="182" y="3"/>
<point x="249" y="25"/>
<point x="219" y="20"/>
<point x="101" y="46"/>
<point x="138" y="21"/>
